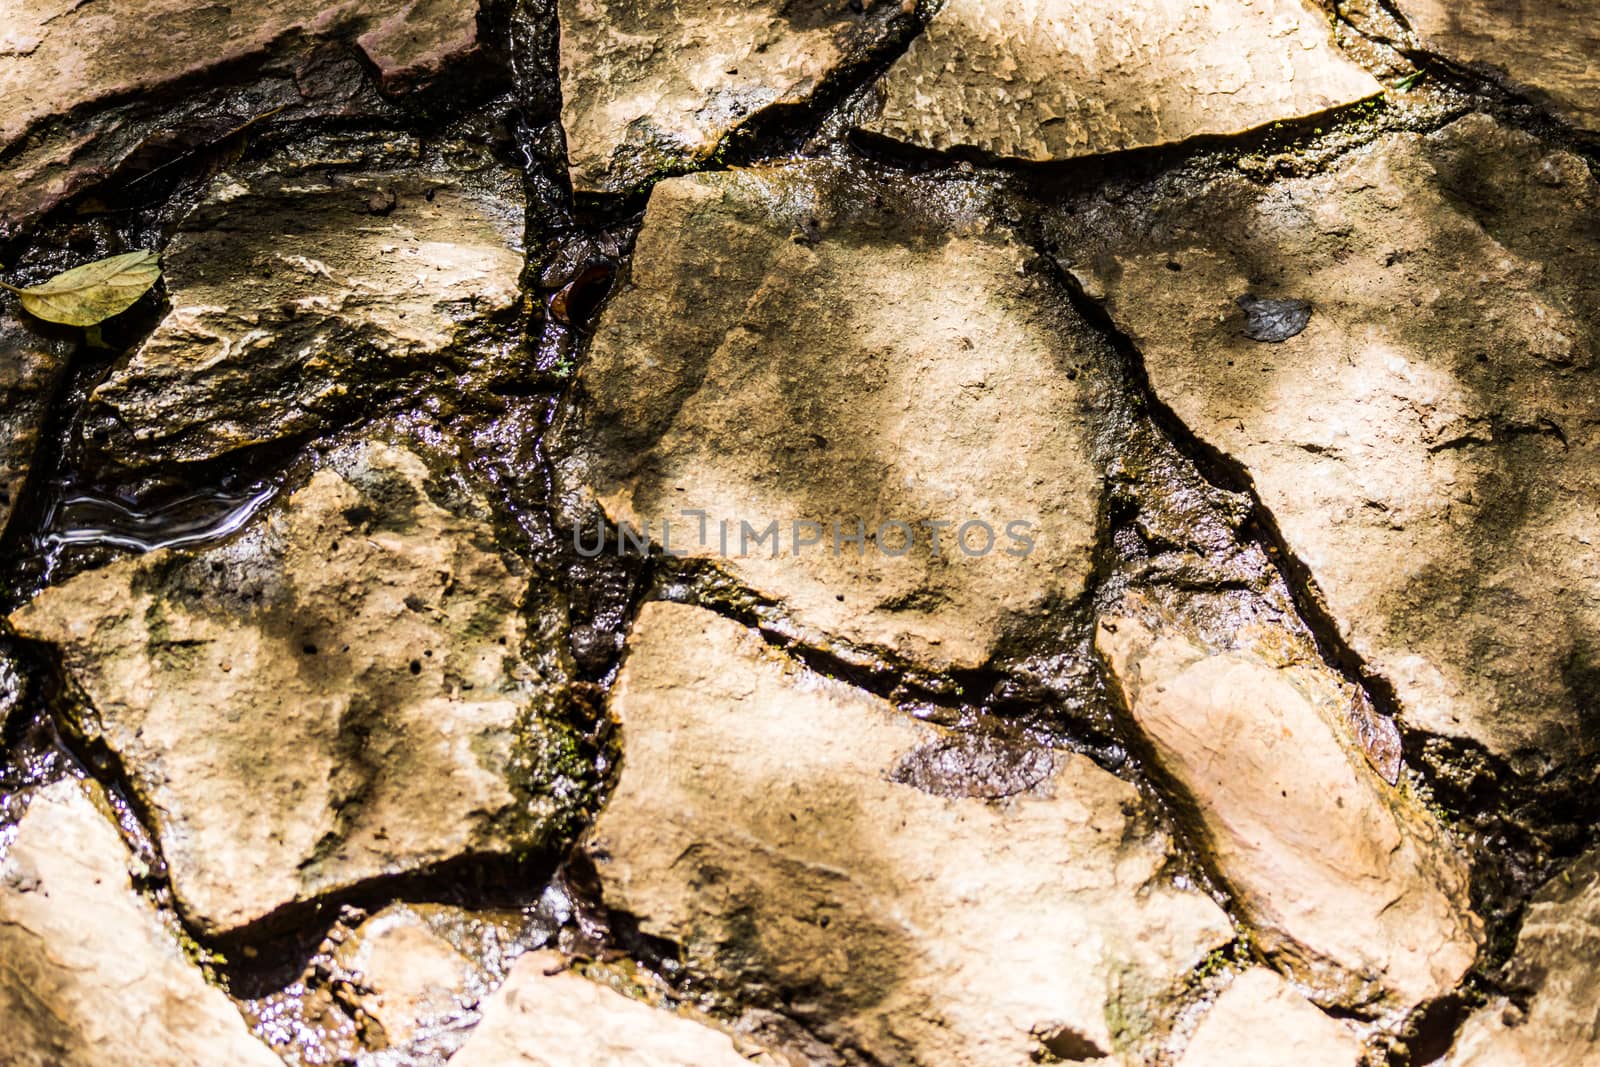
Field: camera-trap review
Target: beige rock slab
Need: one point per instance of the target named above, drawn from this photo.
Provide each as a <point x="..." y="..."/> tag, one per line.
<point x="547" y="1016"/>
<point x="1430" y="445"/>
<point x="1345" y="882"/>
<point x="405" y="977"/>
<point x="761" y="822"/>
<point x="1551" y="47"/>
<point x="846" y="382"/>
<point x="90" y="974"/>
<point x="1054" y="79"/>
<point x="335" y="695"/>
<point x="1259" y="1021"/>
<point x="1556" y="966"/>
<point x="654" y="85"/>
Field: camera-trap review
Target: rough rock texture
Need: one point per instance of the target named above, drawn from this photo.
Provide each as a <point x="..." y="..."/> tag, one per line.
<point x="762" y="370"/>
<point x="1553" y="971"/>
<point x="64" y="62"/>
<point x="1548" y="47"/>
<point x="763" y="821"/>
<point x="89" y="972"/>
<point x="335" y="695"/>
<point x="654" y="85"/>
<point x="297" y="290"/>
<point x="1430" y="444"/>
<point x="1259" y="1021"/>
<point x="546" y="1016"/>
<point x="405" y="979"/>
<point x="30" y="371"/>
<point x="1054" y="79"/>
<point x="1340" y="879"/>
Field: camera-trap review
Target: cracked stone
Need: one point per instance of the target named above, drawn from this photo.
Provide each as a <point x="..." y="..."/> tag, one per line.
<point x="1429" y="446"/>
<point x="1260" y="1021"/>
<point x="291" y="297"/>
<point x="30" y="372"/>
<point x="91" y="973"/>
<point x="337" y="694"/>
<point x="548" y="1016"/>
<point x="651" y="87"/>
<point x="1346" y="882"/>
<point x="1548" y="48"/>
<point x="757" y="825"/>
<point x="1552" y="972"/>
<point x="851" y="382"/>
<point x="1055" y="79"/>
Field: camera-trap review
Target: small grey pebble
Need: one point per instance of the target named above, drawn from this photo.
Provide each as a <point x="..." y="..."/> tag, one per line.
<point x="1273" y="320"/>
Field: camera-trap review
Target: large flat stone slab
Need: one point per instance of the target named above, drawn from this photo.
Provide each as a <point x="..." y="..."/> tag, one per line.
<point x="1055" y="79"/>
<point x="799" y="837"/>
<point x="322" y="278"/>
<point x="869" y="376"/>
<point x="90" y="974"/>
<point x="1429" y="445"/>
<point x="1548" y="48"/>
<point x="1347" y="882"/>
<point x="653" y="86"/>
<point x="1260" y="1021"/>
<point x="337" y="694"/>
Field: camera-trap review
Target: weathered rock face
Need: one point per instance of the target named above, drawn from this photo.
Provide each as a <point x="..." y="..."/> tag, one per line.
<point x="1053" y="79"/>
<point x="1548" y="47"/>
<point x="546" y="1016"/>
<point x="1554" y="969"/>
<point x="335" y="695"/>
<point x="650" y="86"/>
<point x="298" y="289"/>
<point x="61" y="58"/>
<point x="92" y="975"/>
<point x="1345" y="884"/>
<point x="30" y="371"/>
<point x="759" y="369"/>
<point x="766" y="821"/>
<point x="1259" y="1021"/>
<point x="1430" y="444"/>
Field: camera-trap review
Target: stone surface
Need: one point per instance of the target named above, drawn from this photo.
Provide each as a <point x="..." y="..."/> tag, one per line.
<point x="649" y="86"/>
<point x="763" y="822"/>
<point x="334" y="695"/>
<point x="90" y="974"/>
<point x="406" y="980"/>
<point x="1548" y="47"/>
<point x="297" y="289"/>
<point x="30" y="372"/>
<point x="1343" y="881"/>
<point x="547" y="1016"/>
<point x="761" y="375"/>
<point x="1259" y="1021"/>
<point x="1430" y="445"/>
<point x="66" y="64"/>
<point x="1554" y="972"/>
<point x="1054" y="79"/>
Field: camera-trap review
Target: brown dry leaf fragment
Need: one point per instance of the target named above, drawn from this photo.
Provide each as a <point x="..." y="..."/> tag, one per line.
<point x="94" y="292"/>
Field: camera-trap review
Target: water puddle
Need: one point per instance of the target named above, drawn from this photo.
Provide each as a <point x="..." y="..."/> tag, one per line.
<point x="194" y="518"/>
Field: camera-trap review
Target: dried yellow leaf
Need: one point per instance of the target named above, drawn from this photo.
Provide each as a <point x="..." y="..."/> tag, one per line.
<point x="92" y="293"/>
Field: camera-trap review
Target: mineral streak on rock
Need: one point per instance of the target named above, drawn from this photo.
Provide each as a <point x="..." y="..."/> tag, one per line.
<point x="90" y="973"/>
<point x="1053" y="79"/>
<point x="758" y="823"/>
<point x="794" y="346"/>
<point x="335" y="695"/>
<point x="1344" y="881"/>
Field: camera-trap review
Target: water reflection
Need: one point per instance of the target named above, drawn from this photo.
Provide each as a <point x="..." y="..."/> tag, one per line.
<point x="90" y="519"/>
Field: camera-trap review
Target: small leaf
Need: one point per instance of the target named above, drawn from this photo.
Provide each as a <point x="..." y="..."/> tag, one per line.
<point x="92" y="293"/>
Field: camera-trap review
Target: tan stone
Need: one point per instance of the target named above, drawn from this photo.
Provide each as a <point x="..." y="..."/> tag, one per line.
<point x="764" y="821"/>
<point x="654" y="85"/>
<point x="547" y="1016"/>
<point x="333" y="696"/>
<point x="879" y="377"/>
<point x="90" y="974"/>
<point x="1053" y="79"/>
<point x="1344" y="882"/>
<point x="406" y="979"/>
<point x="1547" y="47"/>
<point x="1554" y="969"/>
<point x="1259" y="1021"/>
<point x="1430" y="445"/>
